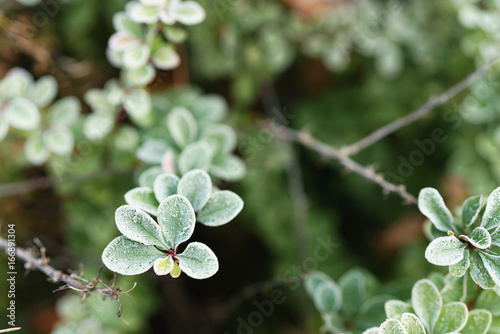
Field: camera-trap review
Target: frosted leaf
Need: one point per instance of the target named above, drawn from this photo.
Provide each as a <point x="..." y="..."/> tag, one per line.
<point x="221" y="208"/>
<point x="137" y="225"/>
<point x="136" y="56"/>
<point x="198" y="261"/>
<point x="97" y="99"/>
<point x="127" y="138"/>
<point x="489" y="300"/>
<point x="196" y="186"/>
<point x="328" y="297"/>
<point x="412" y="324"/>
<point x="228" y="167"/>
<point x="166" y="58"/>
<point x="479" y="273"/>
<point x="392" y="326"/>
<point x="176" y="219"/>
<point x="142" y="198"/>
<point x="182" y="126"/>
<point x="96" y="126"/>
<point x="479" y="238"/>
<point x="151" y="151"/>
<point x="142" y="14"/>
<point x="128" y="257"/>
<point x="163" y="265"/>
<point x="460" y="268"/>
<point x="431" y="204"/>
<point x="491" y="216"/>
<point x="18" y="82"/>
<point x="22" y="114"/>
<point x="4" y="126"/>
<point x="45" y="91"/>
<point x="470" y="210"/>
<point x="137" y="77"/>
<point x="35" y="150"/>
<point x="220" y="137"/>
<point x="445" y="251"/>
<point x="209" y="109"/>
<point x="148" y="176"/>
<point x="394" y="309"/>
<point x="121" y="41"/>
<point x="195" y="156"/>
<point x="59" y="140"/>
<point x="189" y="13"/>
<point x="452" y="318"/>
<point x="427" y="303"/>
<point x="492" y="264"/>
<point x="479" y="322"/>
<point x="138" y="104"/>
<point x="175" y="34"/>
<point x="65" y="111"/>
<point x="123" y="23"/>
<point x="313" y="280"/>
<point x="165" y="185"/>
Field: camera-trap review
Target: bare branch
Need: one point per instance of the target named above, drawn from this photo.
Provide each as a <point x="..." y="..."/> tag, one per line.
<point x="431" y="104"/>
<point x="332" y="153"/>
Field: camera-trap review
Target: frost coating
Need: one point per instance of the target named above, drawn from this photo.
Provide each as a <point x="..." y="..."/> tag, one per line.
<point x="412" y="324"/>
<point x="431" y="204"/>
<point x="452" y="318"/>
<point x="392" y="326"/>
<point x="182" y="126"/>
<point x="198" y="261"/>
<point x="460" y="268"/>
<point x="491" y="217"/>
<point x="221" y="208"/>
<point x="427" y="303"/>
<point x="176" y="219"/>
<point x="165" y="184"/>
<point x="445" y="251"/>
<point x="479" y="273"/>
<point x="195" y="156"/>
<point x="22" y="114"/>
<point x="45" y="91"/>
<point x="196" y="186"/>
<point x="396" y="308"/>
<point x="138" y="226"/>
<point x="220" y="137"/>
<point x="328" y="297"/>
<point x="128" y="257"/>
<point x="479" y="238"/>
<point x="478" y="323"/>
<point x="143" y="198"/>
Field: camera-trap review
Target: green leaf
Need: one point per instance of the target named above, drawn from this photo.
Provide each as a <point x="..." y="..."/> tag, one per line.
<point x="209" y="109"/>
<point x="445" y="251"/>
<point x="470" y="210"/>
<point x="166" y="58"/>
<point x="195" y="156"/>
<point x="163" y="265"/>
<point x="492" y="264"/>
<point x="189" y="13"/>
<point x="96" y="127"/>
<point x="22" y="114"/>
<point x="328" y="297"/>
<point x="165" y="185"/>
<point x="59" y="140"/>
<point x="196" y="186"/>
<point x="356" y="286"/>
<point x="152" y="151"/>
<point x="479" y="273"/>
<point x="141" y="76"/>
<point x="175" y="34"/>
<point x="313" y="280"/>
<point x="182" y="126"/>
<point x="142" y="14"/>
<point x="479" y="238"/>
<point x="18" y="82"/>
<point x="65" y="111"/>
<point x="137" y="225"/>
<point x="221" y="208"/>
<point x="128" y="257"/>
<point x="460" y="268"/>
<point x="177" y="219"/>
<point x="138" y="104"/>
<point x="148" y="177"/>
<point x="136" y="56"/>
<point x="45" y="91"/>
<point x="412" y="324"/>
<point x="228" y="167"/>
<point x="198" y="261"/>
<point x="127" y="138"/>
<point x="392" y="326"/>
<point x="489" y="300"/>
<point x="123" y="23"/>
<point x="427" y="303"/>
<point x="220" y="137"/>
<point x="142" y="198"/>
<point x="491" y="216"/>
<point x="35" y="150"/>
<point x="431" y="204"/>
<point x="478" y="323"/>
<point x="453" y="318"/>
<point x="176" y="271"/>
<point x="394" y="309"/>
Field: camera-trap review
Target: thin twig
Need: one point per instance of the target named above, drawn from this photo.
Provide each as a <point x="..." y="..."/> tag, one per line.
<point x="431" y="104"/>
<point x="73" y="282"/>
<point x="325" y="150"/>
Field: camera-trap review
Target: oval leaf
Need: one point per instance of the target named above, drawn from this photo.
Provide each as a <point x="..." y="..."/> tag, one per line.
<point x="137" y="225"/>
<point x="221" y="208"/>
<point x="196" y="186"/>
<point x="195" y="156"/>
<point x="165" y="185"/>
<point x="479" y="322"/>
<point x="492" y="264"/>
<point x="152" y="151"/>
<point x="45" y="91"/>
<point x="22" y="114"/>
<point x="394" y="309"/>
<point x="136" y="56"/>
<point x="328" y="297"/>
<point x="431" y="204"/>
<point x="142" y="198"/>
<point x="479" y="273"/>
<point x="35" y="150"/>
<point x="142" y="14"/>
<point x="314" y="280"/>
<point x="479" y="238"/>
<point x="198" y="261"/>
<point x="412" y="324"/>
<point x="470" y="210"/>
<point x="176" y="218"/>
<point x="148" y="177"/>
<point x="163" y="265"/>
<point x="189" y="12"/>
<point x="182" y="126"/>
<point x="65" y="111"/>
<point x="392" y="326"/>
<point x="427" y="303"/>
<point x="453" y="318"/>
<point x="228" y="167"/>
<point x="165" y="58"/>
<point x="59" y="140"/>
<point x="445" y="251"/>
<point x="138" y="104"/>
<point x="459" y="269"/>
<point x="491" y="216"/>
<point x="128" y="257"/>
